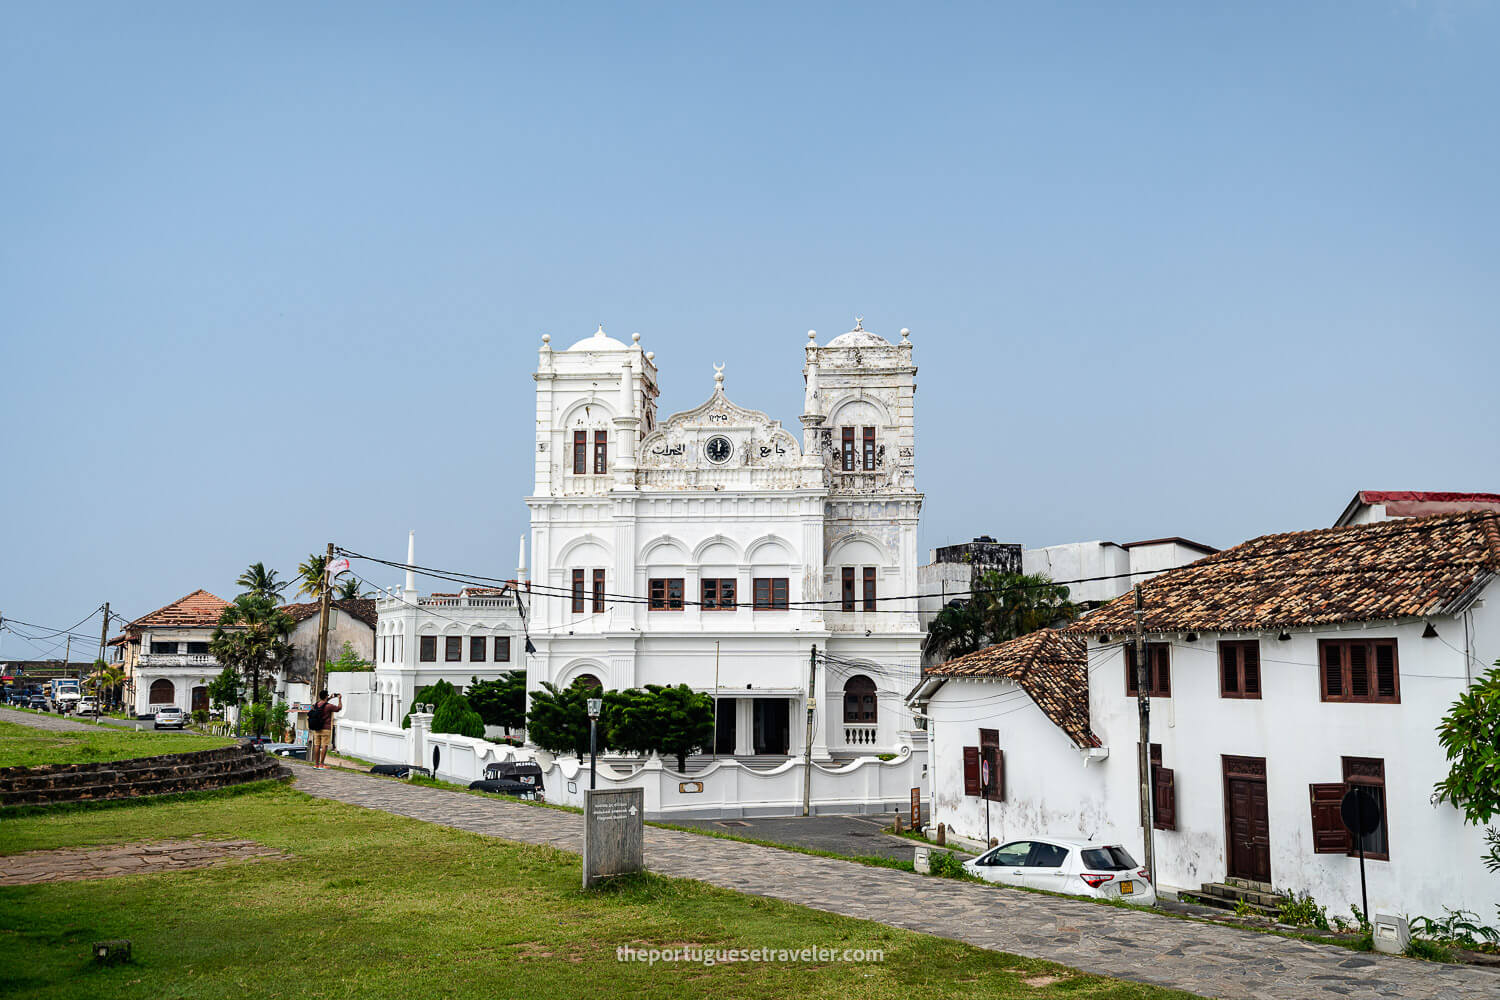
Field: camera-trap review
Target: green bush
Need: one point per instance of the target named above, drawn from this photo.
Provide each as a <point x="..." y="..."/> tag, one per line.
<point x="455" y="716"/>
<point x="1432" y="951"/>
<point x="945" y="864"/>
<point x="432" y="694"/>
<point x="1301" y="910"/>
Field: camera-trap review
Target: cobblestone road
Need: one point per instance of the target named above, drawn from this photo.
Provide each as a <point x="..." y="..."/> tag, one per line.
<point x="1201" y="958"/>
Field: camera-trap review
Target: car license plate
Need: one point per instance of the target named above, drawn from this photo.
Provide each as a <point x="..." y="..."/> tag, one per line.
<point x="1127" y="888"/>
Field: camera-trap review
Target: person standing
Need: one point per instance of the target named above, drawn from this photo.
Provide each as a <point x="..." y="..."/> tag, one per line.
<point x="320" y="725"/>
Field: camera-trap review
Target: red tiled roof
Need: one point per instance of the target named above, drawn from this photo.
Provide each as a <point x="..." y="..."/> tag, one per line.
<point x="362" y="608"/>
<point x="200" y="609"/>
<point x="1404" y="568"/>
<point x="1050" y="666"/>
<point x="1394" y="496"/>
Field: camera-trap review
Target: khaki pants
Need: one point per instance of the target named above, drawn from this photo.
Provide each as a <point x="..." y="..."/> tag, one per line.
<point x="322" y="739"/>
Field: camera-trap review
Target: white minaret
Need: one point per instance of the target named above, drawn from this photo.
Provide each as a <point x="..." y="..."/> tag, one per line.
<point x="626" y="423"/>
<point x="411" y="574"/>
<point x="521" y="562"/>
<point x="812" y="409"/>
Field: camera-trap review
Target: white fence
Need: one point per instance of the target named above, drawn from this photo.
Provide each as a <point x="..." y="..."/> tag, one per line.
<point x="724" y="789"/>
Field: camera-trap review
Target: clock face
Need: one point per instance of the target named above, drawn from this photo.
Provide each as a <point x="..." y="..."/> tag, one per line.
<point x="718" y="449"/>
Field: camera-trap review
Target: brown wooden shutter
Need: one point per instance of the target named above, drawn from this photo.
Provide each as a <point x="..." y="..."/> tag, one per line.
<point x="1130" y="687"/>
<point x="1329" y="833"/>
<point x="1333" y="671"/>
<point x="971" y="771"/>
<point x="999" y="792"/>
<point x="1161" y="657"/>
<point x="1359" y="670"/>
<point x="1229" y="674"/>
<point x="1250" y="668"/>
<point x="1385" y="670"/>
<point x="1164" y="804"/>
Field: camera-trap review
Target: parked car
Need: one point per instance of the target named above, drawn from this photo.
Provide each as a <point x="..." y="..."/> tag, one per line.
<point x="87" y="706"/>
<point x="37" y="703"/>
<point x="170" y="717"/>
<point x="1078" y="868"/>
<point x="295" y="750"/>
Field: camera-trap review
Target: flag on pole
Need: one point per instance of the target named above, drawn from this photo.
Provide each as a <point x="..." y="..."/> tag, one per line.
<point x="337" y="566"/>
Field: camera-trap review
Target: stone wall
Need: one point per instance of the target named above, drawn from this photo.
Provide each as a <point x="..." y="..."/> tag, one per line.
<point x="121" y="779"/>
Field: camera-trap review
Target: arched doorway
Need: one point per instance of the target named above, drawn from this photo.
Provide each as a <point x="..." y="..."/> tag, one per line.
<point x="860" y="711"/>
<point x="587" y="681"/>
<point x="200" y="699"/>
<point x="162" y="692"/>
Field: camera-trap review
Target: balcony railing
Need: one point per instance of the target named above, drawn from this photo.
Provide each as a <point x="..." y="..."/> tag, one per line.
<point x="860" y="734"/>
<point x="178" y="660"/>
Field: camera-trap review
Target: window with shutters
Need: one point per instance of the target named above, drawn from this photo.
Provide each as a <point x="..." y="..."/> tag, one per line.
<point x="601" y="452"/>
<point x="1239" y="669"/>
<point x="580" y="452"/>
<point x="578" y="591"/>
<point x="1163" y="792"/>
<point x="1329" y="834"/>
<point x="666" y="594"/>
<point x="598" y="591"/>
<point x="971" y="771"/>
<point x="1158" y="677"/>
<point x="846" y="602"/>
<point x="502" y="649"/>
<point x="427" y="649"/>
<point x="771" y="593"/>
<point x="477" y="648"/>
<point x="860" y="702"/>
<point x="717" y="594"/>
<point x="869" y="586"/>
<point x="868" y="449"/>
<point x="990" y="754"/>
<point x="1363" y="670"/>
<point x="1369" y="772"/>
<point x="848" y="449"/>
<point x="453" y="649"/>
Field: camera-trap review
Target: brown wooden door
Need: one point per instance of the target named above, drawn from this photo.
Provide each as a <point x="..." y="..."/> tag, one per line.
<point x="1247" y="824"/>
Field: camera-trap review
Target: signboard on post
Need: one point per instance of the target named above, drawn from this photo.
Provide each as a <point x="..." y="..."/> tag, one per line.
<point x="916" y="808"/>
<point x="614" y="832"/>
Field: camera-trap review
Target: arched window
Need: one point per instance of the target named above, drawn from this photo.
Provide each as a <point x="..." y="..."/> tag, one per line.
<point x="859" y="699"/>
<point x="162" y="692"/>
<point x="588" y="681"/>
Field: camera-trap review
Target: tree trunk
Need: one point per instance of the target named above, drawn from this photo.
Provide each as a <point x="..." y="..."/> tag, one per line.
<point x="682" y="763"/>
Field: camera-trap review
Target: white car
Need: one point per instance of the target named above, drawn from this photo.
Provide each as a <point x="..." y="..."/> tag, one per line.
<point x="86" y="706"/>
<point x="170" y="717"/>
<point x="1078" y="868"/>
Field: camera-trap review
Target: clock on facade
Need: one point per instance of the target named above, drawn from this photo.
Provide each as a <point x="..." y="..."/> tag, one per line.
<point x="718" y="449"/>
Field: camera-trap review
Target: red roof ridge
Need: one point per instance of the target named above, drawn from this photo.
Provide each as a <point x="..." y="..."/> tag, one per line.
<point x="1387" y="496"/>
<point x="181" y="600"/>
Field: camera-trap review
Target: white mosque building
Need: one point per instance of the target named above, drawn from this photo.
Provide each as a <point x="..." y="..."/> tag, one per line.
<point x="711" y="548"/>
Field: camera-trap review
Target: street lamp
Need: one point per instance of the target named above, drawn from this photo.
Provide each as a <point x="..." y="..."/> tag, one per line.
<point x="595" y="706"/>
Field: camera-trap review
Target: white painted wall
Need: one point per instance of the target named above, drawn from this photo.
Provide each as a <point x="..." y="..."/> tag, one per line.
<point x="1435" y="857"/>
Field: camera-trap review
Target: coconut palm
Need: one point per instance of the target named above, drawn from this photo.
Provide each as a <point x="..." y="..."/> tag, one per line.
<point x="957" y="630"/>
<point x="312" y="576"/>
<point x="259" y="580"/>
<point x="351" y="589"/>
<point x="1002" y="606"/>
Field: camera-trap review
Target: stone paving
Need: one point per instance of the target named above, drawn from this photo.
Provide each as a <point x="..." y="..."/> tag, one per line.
<point x="56" y="723"/>
<point x="1206" y="959"/>
<point x="77" y="865"/>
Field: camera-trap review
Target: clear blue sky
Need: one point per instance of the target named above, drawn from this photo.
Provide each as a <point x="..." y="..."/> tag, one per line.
<point x="1189" y="269"/>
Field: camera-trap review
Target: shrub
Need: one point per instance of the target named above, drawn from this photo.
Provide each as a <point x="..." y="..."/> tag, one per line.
<point x="945" y="864"/>
<point x="455" y="716"/>
<point x="432" y="694"/>
<point x="349" y="661"/>
<point x="1432" y="951"/>
<point x="1456" y="927"/>
<point x="1301" y="910"/>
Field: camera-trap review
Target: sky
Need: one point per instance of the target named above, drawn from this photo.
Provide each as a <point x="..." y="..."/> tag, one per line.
<point x="274" y="274"/>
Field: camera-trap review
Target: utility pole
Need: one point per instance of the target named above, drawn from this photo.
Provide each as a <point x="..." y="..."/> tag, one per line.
<point x="812" y="703"/>
<point x="323" y="600"/>
<point x="1143" y="705"/>
<point x="99" y="671"/>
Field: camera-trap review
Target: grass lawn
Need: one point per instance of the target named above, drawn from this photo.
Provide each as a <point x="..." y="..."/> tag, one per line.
<point x="374" y="905"/>
<point x="29" y="746"/>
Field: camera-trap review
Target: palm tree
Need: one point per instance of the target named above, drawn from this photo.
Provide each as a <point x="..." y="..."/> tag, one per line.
<point x="252" y="635"/>
<point x="1016" y="604"/>
<point x="312" y="576"/>
<point x="958" y="629"/>
<point x="259" y="580"/>
<point x="351" y="589"/>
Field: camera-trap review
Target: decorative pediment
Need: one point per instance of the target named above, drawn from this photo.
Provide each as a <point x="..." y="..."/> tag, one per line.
<point x="719" y="434"/>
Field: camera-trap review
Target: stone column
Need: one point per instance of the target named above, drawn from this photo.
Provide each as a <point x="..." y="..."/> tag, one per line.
<point x="744" y="726"/>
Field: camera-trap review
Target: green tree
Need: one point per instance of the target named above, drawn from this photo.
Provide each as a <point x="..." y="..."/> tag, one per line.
<point x="958" y="629"/>
<point x="252" y="636"/>
<point x="349" y="661"/>
<point x="500" y="702"/>
<point x="262" y="582"/>
<point x="224" y="690"/>
<point x="432" y="694"/>
<point x="559" y="720"/>
<point x="1470" y="736"/>
<point x="351" y="589"/>
<point x="312" y="576"/>
<point x="630" y="721"/>
<point x="455" y="715"/>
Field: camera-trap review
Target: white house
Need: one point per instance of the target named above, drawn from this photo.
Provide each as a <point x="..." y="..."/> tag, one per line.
<point x="351" y="620"/>
<point x="165" y="654"/>
<point x="716" y="549"/>
<point x="1283" y="671"/>
<point x="1383" y="505"/>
